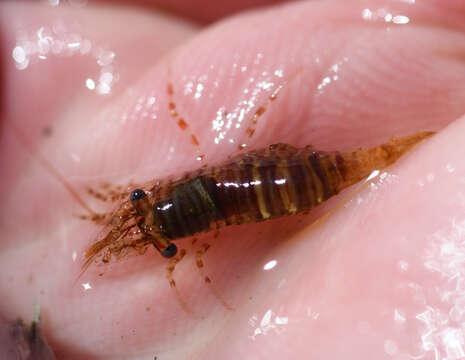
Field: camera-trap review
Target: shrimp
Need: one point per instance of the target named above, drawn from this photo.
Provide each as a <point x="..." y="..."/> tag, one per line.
<point x="255" y="186"/>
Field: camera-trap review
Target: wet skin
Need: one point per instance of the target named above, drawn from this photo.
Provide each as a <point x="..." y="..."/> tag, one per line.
<point x="370" y="280"/>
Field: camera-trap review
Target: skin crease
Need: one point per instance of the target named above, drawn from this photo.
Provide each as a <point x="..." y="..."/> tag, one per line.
<point x="369" y="280"/>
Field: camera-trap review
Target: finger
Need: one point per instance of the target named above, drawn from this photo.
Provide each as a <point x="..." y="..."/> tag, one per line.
<point x="341" y="118"/>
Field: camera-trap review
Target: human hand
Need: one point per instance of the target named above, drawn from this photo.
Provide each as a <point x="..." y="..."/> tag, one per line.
<point x="371" y="280"/>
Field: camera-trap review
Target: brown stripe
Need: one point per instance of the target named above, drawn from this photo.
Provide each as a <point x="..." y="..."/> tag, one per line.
<point x="340" y="165"/>
<point x="238" y="194"/>
<point x="214" y="184"/>
<point x="315" y="186"/>
<point x="202" y="203"/>
<point x="209" y="185"/>
<point x="165" y="218"/>
<point x="224" y="195"/>
<point x="259" y="193"/>
<point x="287" y="190"/>
<point x="301" y="184"/>
<point x="322" y="169"/>
<point x="251" y="210"/>
<point x="179" y="208"/>
<point x="333" y="175"/>
<point x="319" y="177"/>
<point x="240" y="199"/>
<point x="276" y="207"/>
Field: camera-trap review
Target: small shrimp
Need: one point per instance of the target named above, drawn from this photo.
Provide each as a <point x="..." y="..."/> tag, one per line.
<point x="259" y="185"/>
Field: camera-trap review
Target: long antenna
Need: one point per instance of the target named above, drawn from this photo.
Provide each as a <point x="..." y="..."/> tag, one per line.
<point x="22" y="138"/>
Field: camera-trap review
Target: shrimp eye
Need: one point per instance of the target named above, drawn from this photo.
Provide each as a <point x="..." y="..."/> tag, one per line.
<point x="137" y="195"/>
<point x="170" y="251"/>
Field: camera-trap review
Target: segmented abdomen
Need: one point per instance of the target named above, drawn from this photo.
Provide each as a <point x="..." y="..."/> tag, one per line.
<point x="279" y="180"/>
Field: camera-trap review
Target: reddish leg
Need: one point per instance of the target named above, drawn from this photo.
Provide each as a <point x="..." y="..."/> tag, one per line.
<point x="182" y="124"/>
<point x="200" y="265"/>
<point x="264" y="107"/>
<point x="169" y="275"/>
<point x="107" y="192"/>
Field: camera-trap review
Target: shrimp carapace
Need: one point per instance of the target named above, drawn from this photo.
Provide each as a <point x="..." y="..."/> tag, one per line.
<point x="259" y="185"/>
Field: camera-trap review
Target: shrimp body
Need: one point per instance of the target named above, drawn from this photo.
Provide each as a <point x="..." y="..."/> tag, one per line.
<point x="277" y="181"/>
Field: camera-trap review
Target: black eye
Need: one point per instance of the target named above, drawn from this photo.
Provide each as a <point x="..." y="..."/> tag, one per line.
<point x="137" y="195"/>
<point x="170" y="251"/>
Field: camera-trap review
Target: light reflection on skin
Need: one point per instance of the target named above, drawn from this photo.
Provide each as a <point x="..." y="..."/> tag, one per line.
<point x="382" y="14"/>
<point x="440" y="314"/>
<point x="443" y="329"/>
<point x="264" y="83"/>
<point x="269" y="322"/>
<point x="86" y="286"/>
<point x="270" y="265"/>
<point x="57" y="40"/>
<point x="332" y="75"/>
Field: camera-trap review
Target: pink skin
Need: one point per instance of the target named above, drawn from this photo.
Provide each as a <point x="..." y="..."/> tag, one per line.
<point x="380" y="277"/>
<point x="202" y="11"/>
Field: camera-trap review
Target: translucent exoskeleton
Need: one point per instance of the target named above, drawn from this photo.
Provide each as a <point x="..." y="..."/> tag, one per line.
<point x="260" y="185"/>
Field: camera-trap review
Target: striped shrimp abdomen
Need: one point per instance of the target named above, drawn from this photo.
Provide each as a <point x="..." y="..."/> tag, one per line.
<point x="277" y="181"/>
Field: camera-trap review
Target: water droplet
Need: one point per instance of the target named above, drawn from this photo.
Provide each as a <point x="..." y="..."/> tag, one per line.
<point x="401" y="19"/>
<point x="270" y="265"/>
<point x="90" y="84"/>
<point x="86" y="286"/>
